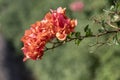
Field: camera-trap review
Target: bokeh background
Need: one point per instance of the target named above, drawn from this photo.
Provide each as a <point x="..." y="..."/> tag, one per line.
<point x="68" y="62"/>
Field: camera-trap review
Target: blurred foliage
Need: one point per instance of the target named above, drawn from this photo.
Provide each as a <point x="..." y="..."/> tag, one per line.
<point x="68" y="62"/>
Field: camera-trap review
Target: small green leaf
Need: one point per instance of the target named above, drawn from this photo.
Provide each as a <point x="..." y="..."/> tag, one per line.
<point x="101" y="30"/>
<point x="77" y="34"/>
<point x="88" y="31"/>
<point x="112" y="7"/>
<point x="77" y="41"/>
<point x="117" y="5"/>
<point x="71" y="34"/>
<point x="103" y="24"/>
<point x="86" y="28"/>
<point x="115" y="40"/>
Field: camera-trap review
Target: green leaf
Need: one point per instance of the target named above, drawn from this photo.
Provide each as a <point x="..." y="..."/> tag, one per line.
<point x="86" y="28"/>
<point x="115" y="40"/>
<point x="77" y="34"/>
<point x="71" y="34"/>
<point x="77" y="41"/>
<point x="117" y="4"/>
<point x="100" y="30"/>
<point x="103" y="24"/>
<point x="88" y="31"/>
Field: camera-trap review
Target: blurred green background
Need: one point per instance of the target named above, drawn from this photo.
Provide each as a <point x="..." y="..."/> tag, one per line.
<point x="68" y="62"/>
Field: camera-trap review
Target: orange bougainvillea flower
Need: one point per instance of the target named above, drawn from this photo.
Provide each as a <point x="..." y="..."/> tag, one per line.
<point x="55" y="24"/>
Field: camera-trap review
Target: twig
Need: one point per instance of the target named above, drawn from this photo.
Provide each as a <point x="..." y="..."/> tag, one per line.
<point x="57" y="44"/>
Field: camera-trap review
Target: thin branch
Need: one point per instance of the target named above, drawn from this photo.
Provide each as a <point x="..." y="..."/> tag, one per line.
<point x="57" y="44"/>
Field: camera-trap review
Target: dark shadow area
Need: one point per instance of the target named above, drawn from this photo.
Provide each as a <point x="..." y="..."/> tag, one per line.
<point x="11" y="66"/>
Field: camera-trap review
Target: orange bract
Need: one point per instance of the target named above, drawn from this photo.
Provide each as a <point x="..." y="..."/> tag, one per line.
<point x="54" y="24"/>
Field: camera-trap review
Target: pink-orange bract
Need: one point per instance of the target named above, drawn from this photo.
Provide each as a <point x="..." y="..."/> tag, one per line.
<point x="55" y="24"/>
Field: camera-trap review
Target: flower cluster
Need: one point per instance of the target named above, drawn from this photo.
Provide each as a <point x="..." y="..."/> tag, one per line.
<point x="55" y="24"/>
